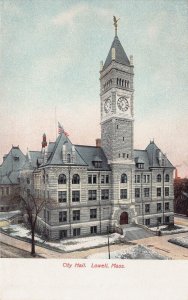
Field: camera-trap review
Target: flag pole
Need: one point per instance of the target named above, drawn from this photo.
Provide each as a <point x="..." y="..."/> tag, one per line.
<point x="55" y="124"/>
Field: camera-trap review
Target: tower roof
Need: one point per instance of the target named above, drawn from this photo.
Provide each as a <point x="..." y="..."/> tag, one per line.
<point x="120" y="55"/>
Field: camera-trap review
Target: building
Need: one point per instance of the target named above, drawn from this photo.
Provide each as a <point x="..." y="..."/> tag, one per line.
<point x="96" y="189"/>
<point x="10" y="178"/>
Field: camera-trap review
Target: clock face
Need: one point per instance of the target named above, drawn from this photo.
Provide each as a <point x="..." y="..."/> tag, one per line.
<point x="107" y="105"/>
<point x="123" y="103"/>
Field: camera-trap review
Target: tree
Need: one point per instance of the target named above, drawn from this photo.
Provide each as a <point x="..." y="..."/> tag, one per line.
<point x="31" y="207"/>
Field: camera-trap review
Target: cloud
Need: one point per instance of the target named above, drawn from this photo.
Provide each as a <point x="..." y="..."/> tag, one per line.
<point x="68" y="17"/>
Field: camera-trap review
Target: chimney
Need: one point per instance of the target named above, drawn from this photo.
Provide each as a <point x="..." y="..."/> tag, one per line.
<point x="98" y="143"/>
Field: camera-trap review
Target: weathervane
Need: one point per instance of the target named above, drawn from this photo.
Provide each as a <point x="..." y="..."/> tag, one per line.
<point x="115" y="24"/>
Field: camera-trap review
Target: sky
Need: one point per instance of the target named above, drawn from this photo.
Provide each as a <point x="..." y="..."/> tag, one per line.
<point x="50" y="62"/>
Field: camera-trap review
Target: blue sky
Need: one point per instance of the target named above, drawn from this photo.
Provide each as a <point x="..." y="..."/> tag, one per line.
<point x="51" y="53"/>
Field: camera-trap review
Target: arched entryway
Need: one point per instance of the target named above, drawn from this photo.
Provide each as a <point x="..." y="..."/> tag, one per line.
<point x="124" y="218"/>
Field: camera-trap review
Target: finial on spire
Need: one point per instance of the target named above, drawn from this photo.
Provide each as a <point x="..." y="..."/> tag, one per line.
<point x="115" y="24"/>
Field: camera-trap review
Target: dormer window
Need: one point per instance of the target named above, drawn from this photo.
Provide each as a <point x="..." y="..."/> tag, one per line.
<point x="140" y="165"/>
<point x="97" y="164"/>
<point x="16" y="158"/>
<point x="68" y="158"/>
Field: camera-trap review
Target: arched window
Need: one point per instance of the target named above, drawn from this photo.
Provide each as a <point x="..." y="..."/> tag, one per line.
<point x="159" y="178"/>
<point x="117" y="81"/>
<point x="167" y="178"/>
<point x="62" y="179"/>
<point x="122" y="83"/>
<point x="75" y="179"/>
<point x="123" y="178"/>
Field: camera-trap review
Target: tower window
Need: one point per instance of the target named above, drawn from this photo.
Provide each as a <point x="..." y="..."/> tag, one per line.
<point x="123" y="138"/>
<point x="127" y="155"/>
<point x="119" y="155"/>
<point x="123" y="178"/>
<point x="117" y="126"/>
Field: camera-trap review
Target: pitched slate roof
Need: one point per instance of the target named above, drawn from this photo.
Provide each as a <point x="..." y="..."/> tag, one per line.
<point x="153" y="155"/>
<point x="120" y="55"/>
<point x="91" y="154"/>
<point x="11" y="166"/>
<point x="150" y="157"/>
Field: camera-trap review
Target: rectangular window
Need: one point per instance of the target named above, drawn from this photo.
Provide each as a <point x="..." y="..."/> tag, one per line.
<point x="102" y="179"/>
<point x="123" y="155"/>
<point x="62" y="196"/>
<point x="159" y="220"/>
<point x="92" y="195"/>
<point x="167" y="206"/>
<point x="92" y="179"/>
<point x="62" y="216"/>
<point x="107" y="178"/>
<point x="75" y="196"/>
<point x="146" y="178"/>
<point x="137" y="178"/>
<point x="45" y="214"/>
<point x="147" y="222"/>
<point x="167" y="220"/>
<point x="48" y="215"/>
<point x="76" y="231"/>
<point x="105" y="194"/>
<point x="76" y="215"/>
<point x="147" y="208"/>
<point x="146" y="192"/>
<point x="7" y="190"/>
<point x="93" y="229"/>
<point x="158" y="192"/>
<point x="159" y="207"/>
<point x="123" y="193"/>
<point x="2" y="191"/>
<point x="137" y="193"/>
<point x="106" y="212"/>
<point x="166" y="191"/>
<point x="93" y="213"/>
<point x="62" y="234"/>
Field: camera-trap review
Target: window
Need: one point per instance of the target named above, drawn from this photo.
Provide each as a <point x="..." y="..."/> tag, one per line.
<point x="68" y="158"/>
<point x="123" y="155"/>
<point x="137" y="193"/>
<point x="123" y="193"/>
<point x="62" y="216"/>
<point x="62" y="179"/>
<point x="76" y="231"/>
<point x="140" y="166"/>
<point x="75" y="179"/>
<point x="166" y="191"/>
<point x="93" y="213"/>
<point x="167" y="206"/>
<point x="159" y="178"/>
<point x="45" y="214"/>
<point x="16" y="158"/>
<point x="167" y="220"/>
<point x="159" y="207"/>
<point x="147" y="222"/>
<point x="146" y="192"/>
<point x="105" y="194"/>
<point x="159" y="220"/>
<point x="48" y="215"/>
<point x="104" y="179"/>
<point x="62" y="196"/>
<point x="62" y="234"/>
<point x="147" y="208"/>
<point x="28" y="181"/>
<point x="47" y="177"/>
<point x="123" y="178"/>
<point x="92" y="195"/>
<point x="92" y="179"/>
<point x="76" y="215"/>
<point x="75" y="196"/>
<point x="146" y="178"/>
<point x="97" y="164"/>
<point x="167" y="178"/>
<point x="137" y="178"/>
<point x="7" y="190"/>
<point x="93" y="229"/>
<point x="158" y="192"/>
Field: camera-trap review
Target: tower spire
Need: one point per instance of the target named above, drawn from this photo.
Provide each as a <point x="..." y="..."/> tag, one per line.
<point x="115" y="24"/>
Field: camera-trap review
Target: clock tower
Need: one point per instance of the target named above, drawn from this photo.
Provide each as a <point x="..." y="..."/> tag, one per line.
<point x="116" y="94"/>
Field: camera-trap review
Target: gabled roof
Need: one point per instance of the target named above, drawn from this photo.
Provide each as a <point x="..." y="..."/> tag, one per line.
<point x="55" y="157"/>
<point x="141" y="156"/>
<point x="120" y="55"/>
<point x="14" y="161"/>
